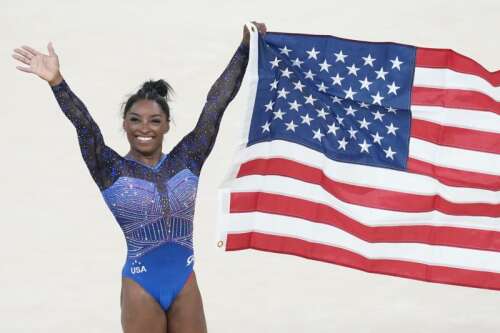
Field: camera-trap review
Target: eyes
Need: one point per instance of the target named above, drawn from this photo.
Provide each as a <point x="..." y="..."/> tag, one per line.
<point x="135" y="120"/>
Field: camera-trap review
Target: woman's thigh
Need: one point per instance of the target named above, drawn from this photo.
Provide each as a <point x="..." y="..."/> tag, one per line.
<point x="186" y="314"/>
<point x="140" y="311"/>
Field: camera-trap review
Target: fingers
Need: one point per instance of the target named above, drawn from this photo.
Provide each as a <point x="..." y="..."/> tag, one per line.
<point x="31" y="50"/>
<point x="261" y="27"/>
<point x="50" y="47"/>
<point x="23" y="53"/>
<point x="24" y="69"/>
<point x="22" y="59"/>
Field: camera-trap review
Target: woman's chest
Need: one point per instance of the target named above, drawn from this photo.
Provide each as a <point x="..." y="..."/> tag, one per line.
<point x="134" y="198"/>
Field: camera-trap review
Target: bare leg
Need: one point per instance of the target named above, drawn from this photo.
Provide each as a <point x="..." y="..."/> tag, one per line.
<point x="186" y="314"/>
<point x="140" y="312"/>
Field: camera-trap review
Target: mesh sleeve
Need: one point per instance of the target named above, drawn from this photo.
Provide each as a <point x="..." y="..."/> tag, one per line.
<point x="100" y="159"/>
<point x="196" y="145"/>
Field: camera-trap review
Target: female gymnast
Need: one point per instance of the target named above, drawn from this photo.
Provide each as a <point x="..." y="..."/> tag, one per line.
<point x="151" y="194"/>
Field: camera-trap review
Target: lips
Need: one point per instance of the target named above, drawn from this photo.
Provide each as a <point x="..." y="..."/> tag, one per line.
<point x="144" y="139"/>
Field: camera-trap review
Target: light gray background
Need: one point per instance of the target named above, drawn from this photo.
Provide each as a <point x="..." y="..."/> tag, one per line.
<point x="61" y="250"/>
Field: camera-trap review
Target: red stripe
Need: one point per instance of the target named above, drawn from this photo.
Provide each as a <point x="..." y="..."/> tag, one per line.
<point x="454" y="98"/>
<point x="244" y="202"/>
<point x="365" y="196"/>
<point x="315" y="251"/>
<point x="455" y="177"/>
<point x="442" y="58"/>
<point x="456" y="137"/>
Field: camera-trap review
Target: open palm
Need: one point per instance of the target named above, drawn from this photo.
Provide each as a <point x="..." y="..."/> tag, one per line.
<point x="43" y="65"/>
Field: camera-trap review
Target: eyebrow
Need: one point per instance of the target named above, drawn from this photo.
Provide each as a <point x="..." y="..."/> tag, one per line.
<point x="138" y="115"/>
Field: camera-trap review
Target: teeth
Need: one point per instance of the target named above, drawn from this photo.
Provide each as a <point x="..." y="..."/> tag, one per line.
<point x="144" y="138"/>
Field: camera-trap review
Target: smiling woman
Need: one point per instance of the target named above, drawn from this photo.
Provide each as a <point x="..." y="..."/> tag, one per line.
<point x="151" y="194"/>
<point x="146" y="118"/>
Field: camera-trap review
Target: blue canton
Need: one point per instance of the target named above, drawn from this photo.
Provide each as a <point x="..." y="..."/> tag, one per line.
<point x="349" y="100"/>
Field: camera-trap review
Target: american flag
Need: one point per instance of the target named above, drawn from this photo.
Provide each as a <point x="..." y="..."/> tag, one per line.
<point x="377" y="156"/>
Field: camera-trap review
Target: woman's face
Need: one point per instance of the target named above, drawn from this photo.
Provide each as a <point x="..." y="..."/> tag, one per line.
<point x="145" y="124"/>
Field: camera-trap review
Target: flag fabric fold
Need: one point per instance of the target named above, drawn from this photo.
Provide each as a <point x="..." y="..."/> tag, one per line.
<point x="382" y="157"/>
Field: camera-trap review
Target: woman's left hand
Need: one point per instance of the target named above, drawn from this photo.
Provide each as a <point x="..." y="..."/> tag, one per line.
<point x="261" y="27"/>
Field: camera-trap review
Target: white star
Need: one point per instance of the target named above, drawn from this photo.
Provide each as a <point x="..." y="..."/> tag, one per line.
<point x="396" y="63"/>
<point x="285" y="50"/>
<point x="275" y="62"/>
<point x="298" y="85"/>
<point x="369" y="60"/>
<point x="333" y="128"/>
<point x="291" y="126"/>
<point x="391" y="109"/>
<point x="318" y="135"/>
<point x="336" y="99"/>
<point x="352" y="133"/>
<point x="391" y="129"/>
<point x="377" y="99"/>
<point x="322" y="87"/>
<point x="274" y="85"/>
<point x="342" y="144"/>
<point x="381" y="74"/>
<point x="322" y="113"/>
<point x="297" y="62"/>
<point x="353" y="70"/>
<point x="393" y="88"/>
<point x="350" y="93"/>
<point x="337" y="79"/>
<point x="269" y="106"/>
<point x="389" y="153"/>
<point x="365" y="84"/>
<point x="313" y="54"/>
<point x="324" y="66"/>
<point x="350" y="111"/>
<point x="310" y="99"/>
<point x="286" y="72"/>
<point x="340" y="56"/>
<point x="310" y="75"/>
<point x="279" y="114"/>
<point x="306" y="119"/>
<point x="363" y="105"/>
<point x="378" y="115"/>
<point x="282" y="93"/>
<point x="364" y="146"/>
<point x="363" y="123"/>
<point x="265" y="127"/>
<point x="377" y="138"/>
<point x="340" y="120"/>
<point x="295" y="106"/>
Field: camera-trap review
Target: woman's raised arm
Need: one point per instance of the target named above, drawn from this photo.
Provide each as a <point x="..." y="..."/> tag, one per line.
<point x="100" y="159"/>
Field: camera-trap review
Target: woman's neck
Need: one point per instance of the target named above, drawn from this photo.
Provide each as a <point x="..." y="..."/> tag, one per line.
<point x="150" y="160"/>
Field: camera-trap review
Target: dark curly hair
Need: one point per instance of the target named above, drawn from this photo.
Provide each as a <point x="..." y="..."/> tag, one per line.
<point x="158" y="91"/>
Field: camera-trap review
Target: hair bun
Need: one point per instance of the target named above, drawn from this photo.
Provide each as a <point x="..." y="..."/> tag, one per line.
<point x="161" y="87"/>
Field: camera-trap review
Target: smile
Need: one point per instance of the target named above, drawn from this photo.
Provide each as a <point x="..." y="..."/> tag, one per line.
<point x="144" y="138"/>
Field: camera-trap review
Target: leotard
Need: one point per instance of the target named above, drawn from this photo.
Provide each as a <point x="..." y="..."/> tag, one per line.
<point x="154" y="206"/>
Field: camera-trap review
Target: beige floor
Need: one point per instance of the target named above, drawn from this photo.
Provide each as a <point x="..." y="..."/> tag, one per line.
<point x="61" y="251"/>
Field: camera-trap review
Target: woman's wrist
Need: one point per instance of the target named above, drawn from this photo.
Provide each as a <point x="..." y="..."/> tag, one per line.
<point x="56" y="80"/>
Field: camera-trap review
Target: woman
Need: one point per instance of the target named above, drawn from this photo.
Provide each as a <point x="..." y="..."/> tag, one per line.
<point x="151" y="194"/>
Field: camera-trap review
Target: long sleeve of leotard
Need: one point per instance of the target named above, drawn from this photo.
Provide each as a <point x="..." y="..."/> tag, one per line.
<point x="97" y="156"/>
<point x="196" y="146"/>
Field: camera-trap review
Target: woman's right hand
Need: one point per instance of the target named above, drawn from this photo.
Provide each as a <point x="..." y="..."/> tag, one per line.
<point x="43" y="65"/>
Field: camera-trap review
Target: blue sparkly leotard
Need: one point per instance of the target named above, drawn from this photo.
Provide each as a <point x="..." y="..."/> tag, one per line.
<point x="154" y="206"/>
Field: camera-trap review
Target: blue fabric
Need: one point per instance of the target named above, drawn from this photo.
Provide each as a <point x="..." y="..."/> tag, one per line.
<point x="154" y="206"/>
<point x="349" y="100"/>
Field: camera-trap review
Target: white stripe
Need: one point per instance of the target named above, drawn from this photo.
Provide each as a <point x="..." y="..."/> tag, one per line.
<point x="455" y="158"/>
<point x="488" y="261"/>
<point x="470" y="119"/>
<point x="369" y="176"/>
<point x="372" y="217"/>
<point x="449" y="79"/>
